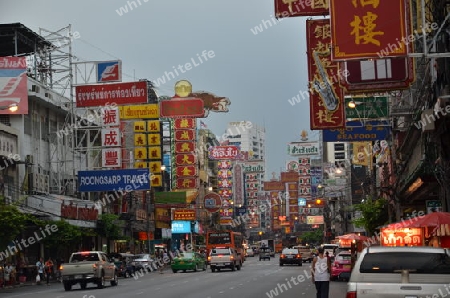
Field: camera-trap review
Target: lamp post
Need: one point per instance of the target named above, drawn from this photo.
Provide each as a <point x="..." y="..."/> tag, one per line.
<point x="12" y="107"/>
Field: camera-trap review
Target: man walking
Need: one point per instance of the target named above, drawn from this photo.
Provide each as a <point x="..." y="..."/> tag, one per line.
<point x="49" y="269"/>
<point x="321" y="268"/>
<point x="40" y="271"/>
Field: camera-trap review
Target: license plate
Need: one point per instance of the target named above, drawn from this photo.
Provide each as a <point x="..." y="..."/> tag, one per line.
<point x="350" y="266"/>
<point x="290" y="257"/>
<point x="78" y="276"/>
<point x="410" y="296"/>
<point x="181" y="262"/>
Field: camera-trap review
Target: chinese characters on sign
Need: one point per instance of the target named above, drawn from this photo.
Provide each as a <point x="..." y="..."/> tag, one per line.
<point x="300" y="8"/>
<point x="184" y="153"/>
<point x="326" y="96"/>
<point x="368" y="29"/>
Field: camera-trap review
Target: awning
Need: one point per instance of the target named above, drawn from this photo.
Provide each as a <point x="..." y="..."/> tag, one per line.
<point x="34" y="212"/>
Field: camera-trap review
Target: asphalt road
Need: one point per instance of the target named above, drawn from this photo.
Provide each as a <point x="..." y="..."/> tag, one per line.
<point x="256" y="279"/>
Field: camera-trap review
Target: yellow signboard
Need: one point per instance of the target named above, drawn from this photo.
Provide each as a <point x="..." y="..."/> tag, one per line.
<point x="140" y="165"/>
<point x="139" y="126"/>
<point x="155" y="166"/>
<point x="140" y="139"/>
<point x="140" y="153"/>
<point x="154" y="152"/>
<point x="145" y="111"/>
<point x="153" y="126"/>
<point x="154" y="139"/>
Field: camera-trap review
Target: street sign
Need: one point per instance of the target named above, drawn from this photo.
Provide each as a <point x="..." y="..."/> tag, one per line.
<point x="367" y="107"/>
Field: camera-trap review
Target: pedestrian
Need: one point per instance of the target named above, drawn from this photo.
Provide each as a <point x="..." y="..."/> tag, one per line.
<point x="8" y="272"/>
<point x="321" y="268"/>
<point x="40" y="271"/>
<point x="164" y="259"/>
<point x="49" y="269"/>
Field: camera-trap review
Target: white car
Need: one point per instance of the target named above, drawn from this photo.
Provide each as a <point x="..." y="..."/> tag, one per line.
<point x="249" y="252"/>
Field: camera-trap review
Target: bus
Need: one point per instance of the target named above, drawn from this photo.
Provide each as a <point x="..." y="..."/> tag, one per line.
<point x="215" y="239"/>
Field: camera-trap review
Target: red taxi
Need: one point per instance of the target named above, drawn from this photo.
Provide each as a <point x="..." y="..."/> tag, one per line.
<point x="341" y="266"/>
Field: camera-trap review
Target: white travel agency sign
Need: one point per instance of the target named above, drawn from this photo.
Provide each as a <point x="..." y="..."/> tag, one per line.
<point x="303" y="148"/>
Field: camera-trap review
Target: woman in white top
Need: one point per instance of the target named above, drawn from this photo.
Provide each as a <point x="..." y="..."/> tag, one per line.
<point x="321" y="268"/>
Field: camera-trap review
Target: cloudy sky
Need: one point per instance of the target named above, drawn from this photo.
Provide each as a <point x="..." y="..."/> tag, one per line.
<point x="259" y="63"/>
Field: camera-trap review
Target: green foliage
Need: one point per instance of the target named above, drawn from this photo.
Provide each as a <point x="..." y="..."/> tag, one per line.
<point x="108" y="228"/>
<point x="373" y="214"/>
<point x="13" y="222"/>
<point x="67" y="235"/>
<point x="315" y="236"/>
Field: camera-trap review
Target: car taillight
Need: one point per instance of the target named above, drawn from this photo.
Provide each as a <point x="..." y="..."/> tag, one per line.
<point x="231" y="257"/>
<point x="94" y="266"/>
<point x="282" y="256"/>
<point x="61" y="267"/>
<point x="351" y="295"/>
<point x="209" y="258"/>
<point x="299" y="256"/>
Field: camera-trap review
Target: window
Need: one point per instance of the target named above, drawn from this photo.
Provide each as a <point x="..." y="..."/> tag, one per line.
<point x="416" y="262"/>
<point x="5" y="119"/>
<point x="27" y="124"/>
<point x="89" y="257"/>
<point x="220" y="251"/>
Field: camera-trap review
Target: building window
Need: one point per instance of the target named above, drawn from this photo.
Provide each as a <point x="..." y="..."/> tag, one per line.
<point x="27" y="124"/>
<point x="5" y="119"/>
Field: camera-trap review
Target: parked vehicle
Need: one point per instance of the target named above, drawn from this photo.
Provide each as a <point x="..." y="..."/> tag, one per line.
<point x="330" y="248"/>
<point x="305" y="251"/>
<point x="124" y="263"/>
<point x="291" y="256"/>
<point x="264" y="253"/>
<point x="341" y="266"/>
<point x="88" y="267"/>
<point x="221" y="258"/>
<point x="144" y="261"/>
<point x="399" y="272"/>
<point x="188" y="261"/>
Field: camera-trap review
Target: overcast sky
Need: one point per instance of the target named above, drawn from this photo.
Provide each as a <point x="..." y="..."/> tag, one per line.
<point x="259" y="72"/>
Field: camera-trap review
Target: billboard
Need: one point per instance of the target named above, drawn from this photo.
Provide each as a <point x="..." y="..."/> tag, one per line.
<point x="109" y="71"/>
<point x="303" y="148"/>
<point x="368" y="29"/>
<point x="13" y="84"/>
<point x="114" y="180"/>
<point x="368" y="131"/>
<point x="181" y="227"/>
<point x="184" y="214"/>
<point x="301" y="8"/>
<point x="118" y="93"/>
<point x="326" y="95"/>
<point x="145" y="111"/>
<point x="182" y="108"/>
<point x="223" y="152"/>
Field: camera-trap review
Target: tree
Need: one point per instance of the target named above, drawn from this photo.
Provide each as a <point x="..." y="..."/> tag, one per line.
<point x="107" y="227"/>
<point x="64" y="240"/>
<point x="312" y="237"/>
<point x="373" y="214"/>
<point x="13" y="222"/>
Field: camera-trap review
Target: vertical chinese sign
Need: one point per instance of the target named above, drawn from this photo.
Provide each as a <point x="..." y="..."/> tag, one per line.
<point x="111" y="138"/>
<point x="326" y="95"/>
<point x="367" y="29"/>
<point x="225" y="190"/>
<point x="186" y="175"/>
<point x="290" y="181"/>
<point x="304" y="173"/>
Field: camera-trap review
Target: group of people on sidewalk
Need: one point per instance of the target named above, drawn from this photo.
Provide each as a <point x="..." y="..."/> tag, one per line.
<point x="44" y="271"/>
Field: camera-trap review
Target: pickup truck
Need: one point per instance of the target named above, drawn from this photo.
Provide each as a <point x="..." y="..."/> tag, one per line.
<point x="400" y="272"/>
<point x="220" y="258"/>
<point x="88" y="267"/>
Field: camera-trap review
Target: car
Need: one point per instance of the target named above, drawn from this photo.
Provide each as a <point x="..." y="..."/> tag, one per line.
<point x="330" y="248"/>
<point x="291" y="256"/>
<point x="142" y="261"/>
<point x="223" y="257"/>
<point x="188" y="261"/>
<point x="264" y="253"/>
<point x="124" y="264"/>
<point x="249" y="252"/>
<point x="306" y="253"/>
<point x="341" y="266"/>
<point x="399" y="272"/>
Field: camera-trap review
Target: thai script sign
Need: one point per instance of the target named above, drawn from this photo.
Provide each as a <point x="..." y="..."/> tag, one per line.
<point x="223" y="152"/>
<point x="303" y="148"/>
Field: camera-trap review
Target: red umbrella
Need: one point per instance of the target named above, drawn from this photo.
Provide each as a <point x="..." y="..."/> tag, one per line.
<point x="352" y="236"/>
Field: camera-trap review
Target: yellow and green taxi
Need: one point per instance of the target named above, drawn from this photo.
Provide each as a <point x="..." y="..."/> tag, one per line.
<point x="188" y="261"/>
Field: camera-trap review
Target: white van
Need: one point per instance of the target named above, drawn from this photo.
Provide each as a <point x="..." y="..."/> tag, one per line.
<point x="330" y="248"/>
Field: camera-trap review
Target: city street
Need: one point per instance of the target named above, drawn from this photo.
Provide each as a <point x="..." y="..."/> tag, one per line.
<point x="257" y="279"/>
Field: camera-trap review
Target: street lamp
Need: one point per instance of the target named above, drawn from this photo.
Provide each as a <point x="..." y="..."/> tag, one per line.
<point x="163" y="173"/>
<point x="12" y="107"/>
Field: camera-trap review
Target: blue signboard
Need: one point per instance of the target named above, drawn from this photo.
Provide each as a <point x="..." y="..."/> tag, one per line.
<point x="241" y="211"/>
<point x="301" y="201"/>
<point x="114" y="180"/>
<point x="109" y="71"/>
<point x="181" y="226"/>
<point x="356" y="131"/>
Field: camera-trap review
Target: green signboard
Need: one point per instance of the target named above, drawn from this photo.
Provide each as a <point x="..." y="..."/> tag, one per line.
<point x="367" y="107"/>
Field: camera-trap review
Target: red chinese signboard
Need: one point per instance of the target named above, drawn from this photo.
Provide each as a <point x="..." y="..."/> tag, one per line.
<point x="119" y="93"/>
<point x="300" y="8"/>
<point x="184" y="171"/>
<point x="185" y="159"/>
<point x="223" y="152"/>
<point x="184" y="135"/>
<point x="186" y="182"/>
<point x="368" y="29"/>
<point x="184" y="147"/>
<point x="326" y="96"/>
<point x="273" y="185"/>
<point x="183" y="123"/>
<point x="377" y="75"/>
<point x="184" y="214"/>
<point x="182" y="108"/>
